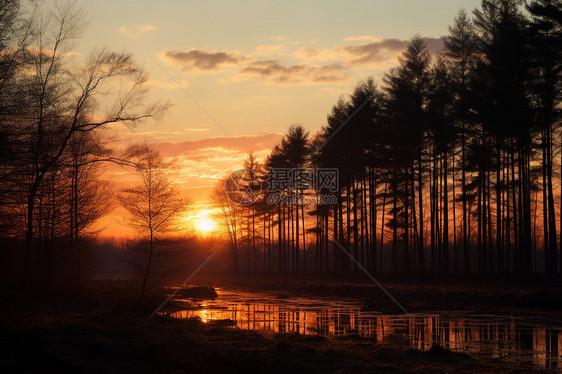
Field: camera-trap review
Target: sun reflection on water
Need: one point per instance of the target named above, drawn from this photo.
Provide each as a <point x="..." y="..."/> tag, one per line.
<point x="494" y="336"/>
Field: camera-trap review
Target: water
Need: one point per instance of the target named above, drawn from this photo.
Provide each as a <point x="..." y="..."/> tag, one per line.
<point x="500" y="337"/>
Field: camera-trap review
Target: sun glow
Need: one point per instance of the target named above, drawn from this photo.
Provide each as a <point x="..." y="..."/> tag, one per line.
<point x="204" y="224"/>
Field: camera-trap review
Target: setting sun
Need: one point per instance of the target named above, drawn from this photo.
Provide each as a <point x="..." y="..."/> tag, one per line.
<point x="204" y="224"/>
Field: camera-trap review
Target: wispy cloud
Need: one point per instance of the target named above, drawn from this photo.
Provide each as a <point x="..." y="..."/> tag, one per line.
<point x="363" y="37"/>
<point x="286" y="74"/>
<point x="130" y="136"/>
<point x="384" y="49"/>
<point x="375" y="52"/>
<point x="270" y="70"/>
<point x="197" y="59"/>
<point x="204" y="161"/>
<point x="136" y="30"/>
<point x="283" y="64"/>
<point x="258" y="142"/>
<point x="201" y="163"/>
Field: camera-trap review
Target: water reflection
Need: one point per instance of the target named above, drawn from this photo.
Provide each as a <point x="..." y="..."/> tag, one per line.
<point x="505" y="338"/>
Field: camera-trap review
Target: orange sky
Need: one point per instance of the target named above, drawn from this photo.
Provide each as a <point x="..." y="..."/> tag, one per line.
<point x="249" y="69"/>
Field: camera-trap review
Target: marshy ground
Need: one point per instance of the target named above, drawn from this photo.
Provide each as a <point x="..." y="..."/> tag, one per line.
<point x="102" y="329"/>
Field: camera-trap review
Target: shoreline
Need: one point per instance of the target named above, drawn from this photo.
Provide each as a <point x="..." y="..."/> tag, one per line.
<point x="507" y="298"/>
<point x="102" y="329"/>
<point x="115" y="343"/>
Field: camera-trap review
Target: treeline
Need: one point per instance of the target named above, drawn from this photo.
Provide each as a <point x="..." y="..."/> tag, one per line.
<point x="451" y="165"/>
<point x="51" y="121"/>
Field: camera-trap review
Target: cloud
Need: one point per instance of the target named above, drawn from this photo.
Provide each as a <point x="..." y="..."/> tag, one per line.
<point x="249" y="66"/>
<point x="376" y="52"/>
<point x="373" y="52"/>
<point x="258" y="142"/>
<point x="196" y="59"/>
<point x="314" y="54"/>
<point x="134" y="135"/>
<point x="136" y="30"/>
<point x="434" y="45"/>
<point x="363" y="37"/>
<point x="203" y="162"/>
<point x="312" y="65"/>
<point x="36" y="51"/>
<point x="199" y="164"/>
<point x="279" y="73"/>
<point x="381" y="50"/>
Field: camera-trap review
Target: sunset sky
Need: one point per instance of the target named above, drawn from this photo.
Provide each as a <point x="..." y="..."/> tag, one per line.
<point x="255" y="66"/>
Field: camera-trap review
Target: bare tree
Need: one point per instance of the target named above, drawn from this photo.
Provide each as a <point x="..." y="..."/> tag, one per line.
<point x="154" y="205"/>
<point x="62" y="102"/>
<point x="229" y="214"/>
<point x="87" y="194"/>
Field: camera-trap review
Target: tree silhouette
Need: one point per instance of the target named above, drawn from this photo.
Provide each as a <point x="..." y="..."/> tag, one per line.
<point x="229" y="215"/>
<point x="450" y="165"/>
<point x="546" y="50"/>
<point x="471" y="129"/>
<point x="153" y="205"/>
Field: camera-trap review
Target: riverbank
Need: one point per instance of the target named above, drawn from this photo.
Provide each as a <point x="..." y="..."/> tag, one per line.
<point x="101" y="329"/>
<point x="116" y="341"/>
<point x="536" y="298"/>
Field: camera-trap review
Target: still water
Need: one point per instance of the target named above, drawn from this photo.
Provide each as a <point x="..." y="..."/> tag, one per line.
<point x="500" y="337"/>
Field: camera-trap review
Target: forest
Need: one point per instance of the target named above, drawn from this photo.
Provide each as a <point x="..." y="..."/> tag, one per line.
<point x="451" y="165"/>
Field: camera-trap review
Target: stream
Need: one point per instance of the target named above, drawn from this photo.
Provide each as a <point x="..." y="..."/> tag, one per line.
<point x="537" y="341"/>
